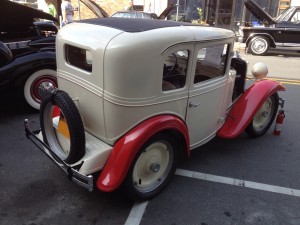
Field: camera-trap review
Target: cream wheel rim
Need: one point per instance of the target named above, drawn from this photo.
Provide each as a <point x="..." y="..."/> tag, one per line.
<point x="263" y="116"/>
<point x="153" y="166"/>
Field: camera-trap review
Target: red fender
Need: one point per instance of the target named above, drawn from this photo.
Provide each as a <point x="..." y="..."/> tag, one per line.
<point x="125" y="149"/>
<point x="247" y="106"/>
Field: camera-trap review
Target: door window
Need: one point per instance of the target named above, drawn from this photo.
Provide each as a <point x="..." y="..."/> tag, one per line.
<point x="211" y="63"/>
<point x="175" y="69"/>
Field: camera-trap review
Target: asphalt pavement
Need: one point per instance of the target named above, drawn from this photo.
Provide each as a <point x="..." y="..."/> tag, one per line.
<point x="225" y="182"/>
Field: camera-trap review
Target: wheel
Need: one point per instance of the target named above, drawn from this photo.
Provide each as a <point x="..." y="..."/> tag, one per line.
<point x="152" y="168"/>
<point x="259" y="45"/>
<point x="36" y="83"/>
<point x="62" y="127"/>
<point x="264" y="118"/>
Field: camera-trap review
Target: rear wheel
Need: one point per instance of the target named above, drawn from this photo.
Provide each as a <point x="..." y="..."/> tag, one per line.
<point x="62" y="127"/>
<point x="259" y="45"/>
<point x="264" y="118"/>
<point x="36" y="84"/>
<point x="152" y="168"/>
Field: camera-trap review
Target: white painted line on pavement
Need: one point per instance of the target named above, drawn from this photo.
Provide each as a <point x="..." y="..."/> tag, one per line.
<point x="237" y="182"/>
<point x="136" y="213"/>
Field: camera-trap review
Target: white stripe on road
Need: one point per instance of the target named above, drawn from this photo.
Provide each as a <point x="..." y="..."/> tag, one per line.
<point x="136" y="213"/>
<point x="237" y="182"/>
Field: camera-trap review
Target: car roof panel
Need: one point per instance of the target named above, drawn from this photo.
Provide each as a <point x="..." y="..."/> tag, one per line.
<point x="136" y="25"/>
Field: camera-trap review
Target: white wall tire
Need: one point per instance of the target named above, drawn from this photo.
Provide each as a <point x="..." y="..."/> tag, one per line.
<point x="45" y="78"/>
<point x="259" y="45"/>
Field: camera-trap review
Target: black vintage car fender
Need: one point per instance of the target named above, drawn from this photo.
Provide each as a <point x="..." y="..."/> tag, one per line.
<point x="16" y="72"/>
<point x="30" y="72"/>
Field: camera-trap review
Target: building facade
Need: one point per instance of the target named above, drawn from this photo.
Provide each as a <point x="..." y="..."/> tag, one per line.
<point x="227" y="14"/>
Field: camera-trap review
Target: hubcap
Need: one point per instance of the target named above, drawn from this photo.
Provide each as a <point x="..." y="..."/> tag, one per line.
<point x="263" y="116"/>
<point x="153" y="166"/>
<point x="40" y="86"/>
<point x="259" y="45"/>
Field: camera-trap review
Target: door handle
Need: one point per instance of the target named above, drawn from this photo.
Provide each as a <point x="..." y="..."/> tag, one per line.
<point x="193" y="105"/>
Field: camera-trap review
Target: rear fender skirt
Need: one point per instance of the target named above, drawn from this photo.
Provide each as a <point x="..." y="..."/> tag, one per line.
<point x="126" y="148"/>
<point x="245" y="108"/>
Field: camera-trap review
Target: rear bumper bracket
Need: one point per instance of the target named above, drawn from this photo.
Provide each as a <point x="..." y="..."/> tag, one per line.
<point x="84" y="181"/>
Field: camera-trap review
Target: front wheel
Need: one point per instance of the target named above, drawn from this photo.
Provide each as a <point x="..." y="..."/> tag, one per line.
<point x="152" y="168"/>
<point x="259" y="45"/>
<point x="264" y="118"/>
<point x="36" y="84"/>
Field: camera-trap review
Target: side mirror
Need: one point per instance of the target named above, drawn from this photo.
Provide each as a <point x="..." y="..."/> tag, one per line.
<point x="259" y="70"/>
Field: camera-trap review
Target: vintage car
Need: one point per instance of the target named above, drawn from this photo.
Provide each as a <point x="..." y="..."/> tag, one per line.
<point x="281" y="33"/>
<point x="135" y="14"/>
<point x="144" y="15"/>
<point x="134" y="96"/>
<point x="27" y="72"/>
<point x="27" y="51"/>
<point x="24" y="29"/>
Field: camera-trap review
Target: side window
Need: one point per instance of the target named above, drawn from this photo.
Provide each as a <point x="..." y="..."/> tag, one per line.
<point x="79" y="57"/>
<point x="175" y="69"/>
<point x="211" y="62"/>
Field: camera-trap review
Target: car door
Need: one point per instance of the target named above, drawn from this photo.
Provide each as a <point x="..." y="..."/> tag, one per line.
<point x="292" y="31"/>
<point x="208" y="92"/>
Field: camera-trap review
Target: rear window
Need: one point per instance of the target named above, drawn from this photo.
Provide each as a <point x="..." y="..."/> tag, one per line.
<point x="78" y="57"/>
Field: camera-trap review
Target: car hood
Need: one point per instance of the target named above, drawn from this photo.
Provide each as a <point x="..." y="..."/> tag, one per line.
<point x="259" y="13"/>
<point x="15" y="14"/>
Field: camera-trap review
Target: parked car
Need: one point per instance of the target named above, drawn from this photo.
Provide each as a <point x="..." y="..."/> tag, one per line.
<point x="27" y="51"/>
<point x="29" y="72"/>
<point x="282" y="32"/>
<point x="135" y="14"/>
<point x="144" y="15"/>
<point x="133" y="96"/>
<point x="19" y="25"/>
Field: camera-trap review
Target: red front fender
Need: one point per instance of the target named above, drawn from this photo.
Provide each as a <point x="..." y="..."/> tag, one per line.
<point x="247" y="106"/>
<point x="127" y="147"/>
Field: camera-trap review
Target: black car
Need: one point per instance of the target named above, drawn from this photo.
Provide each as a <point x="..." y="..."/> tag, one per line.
<point x="19" y="25"/>
<point x="282" y="32"/>
<point x="27" y="51"/>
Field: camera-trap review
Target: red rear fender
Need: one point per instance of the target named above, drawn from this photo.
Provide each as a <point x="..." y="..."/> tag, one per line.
<point x="127" y="147"/>
<point x="245" y="108"/>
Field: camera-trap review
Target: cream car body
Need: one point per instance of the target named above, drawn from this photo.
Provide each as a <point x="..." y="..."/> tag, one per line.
<point x="144" y="91"/>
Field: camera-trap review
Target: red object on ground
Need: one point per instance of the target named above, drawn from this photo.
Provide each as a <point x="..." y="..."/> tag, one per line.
<point x="279" y="122"/>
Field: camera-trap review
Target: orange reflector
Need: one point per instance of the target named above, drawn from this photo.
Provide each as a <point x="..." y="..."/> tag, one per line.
<point x="63" y="127"/>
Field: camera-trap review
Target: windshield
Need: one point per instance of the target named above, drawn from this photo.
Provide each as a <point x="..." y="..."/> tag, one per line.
<point x="285" y="15"/>
<point x="124" y="14"/>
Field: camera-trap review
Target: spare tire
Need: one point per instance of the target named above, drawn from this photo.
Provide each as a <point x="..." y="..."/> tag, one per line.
<point x="62" y="127"/>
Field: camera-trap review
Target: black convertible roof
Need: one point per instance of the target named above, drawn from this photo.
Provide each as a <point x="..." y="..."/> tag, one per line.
<point x="135" y="25"/>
